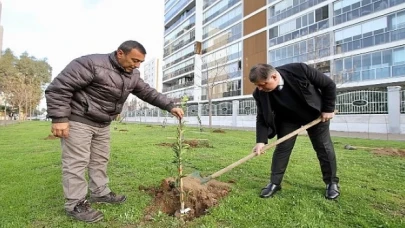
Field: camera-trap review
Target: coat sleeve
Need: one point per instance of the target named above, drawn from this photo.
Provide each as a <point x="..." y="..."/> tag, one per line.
<point x="77" y="74"/>
<point x="324" y="84"/>
<point x="152" y="96"/>
<point x="263" y="131"/>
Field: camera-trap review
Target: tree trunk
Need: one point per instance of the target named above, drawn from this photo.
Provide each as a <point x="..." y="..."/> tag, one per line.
<point x="5" y="110"/>
<point x="209" y="107"/>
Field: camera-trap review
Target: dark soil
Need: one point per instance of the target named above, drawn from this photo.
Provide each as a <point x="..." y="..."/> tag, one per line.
<point x="50" y="137"/>
<point x="218" y="131"/>
<point x="389" y="152"/>
<point x="199" y="197"/>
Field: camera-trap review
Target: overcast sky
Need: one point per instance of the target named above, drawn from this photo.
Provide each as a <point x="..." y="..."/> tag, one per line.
<point x="61" y="30"/>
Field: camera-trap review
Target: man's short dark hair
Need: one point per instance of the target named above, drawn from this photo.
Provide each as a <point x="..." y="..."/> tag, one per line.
<point x="128" y="45"/>
<point x="260" y="72"/>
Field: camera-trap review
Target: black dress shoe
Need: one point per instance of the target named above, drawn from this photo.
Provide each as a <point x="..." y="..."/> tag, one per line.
<point x="332" y="191"/>
<point x="269" y="190"/>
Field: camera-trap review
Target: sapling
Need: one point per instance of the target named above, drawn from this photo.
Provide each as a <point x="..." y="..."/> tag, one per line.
<point x="199" y="123"/>
<point x="164" y="123"/>
<point x="179" y="148"/>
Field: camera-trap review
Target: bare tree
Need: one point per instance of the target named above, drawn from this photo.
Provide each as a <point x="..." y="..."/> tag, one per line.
<point x="217" y="73"/>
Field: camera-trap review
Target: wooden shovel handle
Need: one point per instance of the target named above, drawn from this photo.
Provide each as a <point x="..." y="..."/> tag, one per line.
<point x="278" y="141"/>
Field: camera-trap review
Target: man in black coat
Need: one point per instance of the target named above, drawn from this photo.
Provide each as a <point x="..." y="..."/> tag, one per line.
<point x="288" y="97"/>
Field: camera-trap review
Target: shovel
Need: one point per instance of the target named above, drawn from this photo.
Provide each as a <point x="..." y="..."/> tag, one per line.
<point x="252" y="155"/>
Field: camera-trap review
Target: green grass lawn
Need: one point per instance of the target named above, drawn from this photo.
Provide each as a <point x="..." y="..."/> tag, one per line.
<point x="372" y="186"/>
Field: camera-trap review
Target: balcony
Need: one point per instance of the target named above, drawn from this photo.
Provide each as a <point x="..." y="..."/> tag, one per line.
<point x="185" y="15"/>
<point x="233" y="93"/>
<point x="174" y="87"/>
<point x="181" y="71"/>
<point x="177" y="9"/>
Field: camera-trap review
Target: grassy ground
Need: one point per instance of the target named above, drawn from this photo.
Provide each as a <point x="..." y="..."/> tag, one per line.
<point x="372" y="186"/>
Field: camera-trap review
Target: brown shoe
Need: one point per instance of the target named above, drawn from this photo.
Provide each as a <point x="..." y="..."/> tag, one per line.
<point x="109" y="198"/>
<point x="83" y="212"/>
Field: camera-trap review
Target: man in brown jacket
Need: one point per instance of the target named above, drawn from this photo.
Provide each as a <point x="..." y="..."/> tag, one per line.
<point x="82" y="101"/>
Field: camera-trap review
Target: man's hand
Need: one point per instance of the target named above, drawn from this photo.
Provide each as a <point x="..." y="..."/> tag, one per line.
<point x="60" y="130"/>
<point x="177" y="112"/>
<point x="325" y="116"/>
<point x="258" y="149"/>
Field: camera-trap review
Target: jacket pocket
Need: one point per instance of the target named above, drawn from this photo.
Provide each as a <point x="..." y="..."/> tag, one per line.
<point x="85" y="102"/>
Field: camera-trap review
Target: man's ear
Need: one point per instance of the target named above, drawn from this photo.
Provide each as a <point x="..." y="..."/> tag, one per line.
<point x="120" y="53"/>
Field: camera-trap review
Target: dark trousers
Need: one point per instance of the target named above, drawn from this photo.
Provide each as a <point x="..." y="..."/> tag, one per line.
<point x="321" y="142"/>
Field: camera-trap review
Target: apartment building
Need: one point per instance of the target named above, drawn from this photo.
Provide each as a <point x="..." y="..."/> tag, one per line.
<point x="210" y="45"/>
<point x="2" y="98"/>
<point x="152" y="73"/>
<point x="1" y="30"/>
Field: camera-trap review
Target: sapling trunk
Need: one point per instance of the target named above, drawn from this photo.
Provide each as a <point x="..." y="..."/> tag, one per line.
<point x="180" y="167"/>
<point x="179" y="149"/>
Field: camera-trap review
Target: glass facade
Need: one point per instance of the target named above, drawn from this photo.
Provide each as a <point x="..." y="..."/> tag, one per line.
<point x="227" y="89"/>
<point x="221" y="73"/>
<point x="186" y="39"/>
<point x="175" y="9"/>
<point x="222" y="22"/>
<point x="182" y="18"/>
<point x="226" y="37"/>
<point x="309" y="23"/>
<point x="288" y="8"/>
<point x="188" y="92"/>
<point x="348" y="40"/>
<point x="373" y="32"/>
<point x="302" y="51"/>
<point x="370" y="66"/>
<point x="179" y="56"/>
<point x="179" y="69"/>
<point x="347" y="10"/>
<point x="188" y="24"/>
<point x="356" y="52"/>
<point x="217" y="9"/>
<point x="207" y="3"/>
<point x="222" y="56"/>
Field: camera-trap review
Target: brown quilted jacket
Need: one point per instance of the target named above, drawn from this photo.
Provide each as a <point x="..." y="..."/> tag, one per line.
<point x="92" y="89"/>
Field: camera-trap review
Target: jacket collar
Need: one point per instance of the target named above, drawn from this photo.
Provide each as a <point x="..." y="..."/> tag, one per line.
<point x="116" y="65"/>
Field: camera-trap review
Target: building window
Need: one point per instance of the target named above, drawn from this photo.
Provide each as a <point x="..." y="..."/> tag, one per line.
<point x="347" y="10"/>
<point x="370" y="33"/>
<point x="370" y="66"/>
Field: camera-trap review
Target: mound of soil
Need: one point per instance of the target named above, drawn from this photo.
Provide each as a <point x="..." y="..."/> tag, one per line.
<point x="218" y="131"/>
<point x="389" y="152"/>
<point x="194" y="143"/>
<point x="199" y="197"/>
<point x="50" y="137"/>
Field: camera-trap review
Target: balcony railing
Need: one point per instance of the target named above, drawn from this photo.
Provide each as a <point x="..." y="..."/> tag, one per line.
<point x="171" y="88"/>
<point x="370" y="74"/>
<point x="179" y="21"/>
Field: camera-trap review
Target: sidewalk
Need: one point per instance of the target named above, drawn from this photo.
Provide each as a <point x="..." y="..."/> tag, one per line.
<point x="361" y="135"/>
<point x="7" y="122"/>
<point x="365" y="135"/>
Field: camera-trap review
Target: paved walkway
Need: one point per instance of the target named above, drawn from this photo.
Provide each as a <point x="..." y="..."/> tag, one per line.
<point x="362" y="135"/>
<point x="7" y="122"/>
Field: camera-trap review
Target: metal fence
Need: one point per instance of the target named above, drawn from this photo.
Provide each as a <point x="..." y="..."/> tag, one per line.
<point x="355" y="102"/>
<point x="403" y="101"/>
<point x="247" y="107"/>
<point x="362" y="102"/>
